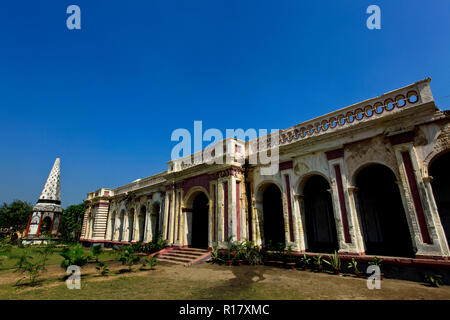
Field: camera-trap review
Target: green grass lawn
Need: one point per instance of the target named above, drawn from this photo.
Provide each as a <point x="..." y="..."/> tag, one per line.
<point x="54" y="259"/>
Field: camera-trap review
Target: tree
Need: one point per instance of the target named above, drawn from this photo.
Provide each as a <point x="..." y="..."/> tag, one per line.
<point x="71" y="222"/>
<point x="15" y="215"/>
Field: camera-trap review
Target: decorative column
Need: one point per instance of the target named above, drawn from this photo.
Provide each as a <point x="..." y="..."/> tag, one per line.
<point x="147" y="219"/>
<point x="348" y="231"/>
<point x="220" y="213"/>
<point x="170" y="212"/>
<point x="213" y="214"/>
<point x="418" y="209"/>
<point x="137" y="211"/>
<point x="292" y="234"/>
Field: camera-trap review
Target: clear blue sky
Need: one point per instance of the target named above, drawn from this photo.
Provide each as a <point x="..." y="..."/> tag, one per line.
<point x="106" y="98"/>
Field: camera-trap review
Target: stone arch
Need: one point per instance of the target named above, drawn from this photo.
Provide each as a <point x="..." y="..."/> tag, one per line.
<point x="300" y="185"/>
<point x="439" y="170"/>
<point x="196" y="208"/>
<point x="381" y="213"/>
<point x="320" y="224"/>
<point x="269" y="204"/>
<point x="369" y="163"/>
<point x="441" y="145"/>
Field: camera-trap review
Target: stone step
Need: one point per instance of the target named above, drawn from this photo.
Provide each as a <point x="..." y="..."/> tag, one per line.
<point x="182" y="255"/>
<point x="190" y="253"/>
<point x="171" y="258"/>
<point x="171" y="261"/>
<point x="192" y="249"/>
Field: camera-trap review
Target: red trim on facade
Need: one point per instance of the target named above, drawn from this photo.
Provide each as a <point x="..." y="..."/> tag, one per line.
<point x="335" y="154"/>
<point x="40" y="222"/>
<point x="214" y="212"/>
<point x="402" y="138"/>
<point x="102" y="204"/>
<point x="416" y="197"/>
<point x="291" y="224"/>
<point x="178" y="214"/>
<point x="59" y="225"/>
<point x="53" y="221"/>
<point x="168" y="216"/>
<point x="286" y="165"/>
<point x="337" y="170"/>
<point x="225" y="214"/>
<point x="238" y="211"/>
<point x="28" y="224"/>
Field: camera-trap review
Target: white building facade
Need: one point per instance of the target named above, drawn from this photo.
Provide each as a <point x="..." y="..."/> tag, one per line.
<point x="368" y="179"/>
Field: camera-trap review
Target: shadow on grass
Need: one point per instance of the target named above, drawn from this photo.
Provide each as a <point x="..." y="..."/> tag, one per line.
<point x="244" y="279"/>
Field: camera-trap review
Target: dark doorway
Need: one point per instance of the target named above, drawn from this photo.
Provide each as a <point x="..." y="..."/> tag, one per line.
<point x="440" y="171"/>
<point x="385" y="228"/>
<point x="319" y="216"/>
<point x="155" y="220"/>
<point x="273" y="216"/>
<point x="200" y="221"/>
<point x="46" y="224"/>
<point x="141" y="223"/>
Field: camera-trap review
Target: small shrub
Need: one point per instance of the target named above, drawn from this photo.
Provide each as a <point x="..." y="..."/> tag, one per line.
<point x="434" y="280"/>
<point x="305" y="260"/>
<point x="376" y="261"/>
<point x="96" y="251"/>
<point x="150" y="262"/>
<point x="216" y="256"/>
<point x="252" y="253"/>
<point x="102" y="268"/>
<point x="335" y="262"/>
<point x="127" y="256"/>
<point x="33" y="266"/>
<point x="353" y="265"/>
<point x="318" y="260"/>
<point x="74" y="255"/>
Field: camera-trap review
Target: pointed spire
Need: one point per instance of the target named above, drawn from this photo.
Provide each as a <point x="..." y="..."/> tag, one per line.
<point x="50" y="199"/>
<point x="52" y="190"/>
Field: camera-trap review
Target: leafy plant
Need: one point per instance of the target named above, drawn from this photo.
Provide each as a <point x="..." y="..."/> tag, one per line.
<point x="33" y="266"/>
<point x="252" y="253"/>
<point x="73" y="255"/>
<point x="434" y="280"/>
<point x="102" y="268"/>
<point x="127" y="256"/>
<point x="150" y="262"/>
<point x="353" y="265"/>
<point x="305" y="260"/>
<point x="335" y="262"/>
<point x="318" y="260"/>
<point x="96" y="251"/>
<point x="215" y="256"/>
<point x="376" y="261"/>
